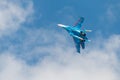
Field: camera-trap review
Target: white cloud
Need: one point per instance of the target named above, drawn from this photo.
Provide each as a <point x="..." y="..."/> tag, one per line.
<point x="13" y="14"/>
<point x="63" y="63"/>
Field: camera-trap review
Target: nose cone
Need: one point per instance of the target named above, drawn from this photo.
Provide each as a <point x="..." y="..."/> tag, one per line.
<point x="61" y="25"/>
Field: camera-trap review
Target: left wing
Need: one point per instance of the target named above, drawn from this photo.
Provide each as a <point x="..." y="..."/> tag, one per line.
<point x="79" y="22"/>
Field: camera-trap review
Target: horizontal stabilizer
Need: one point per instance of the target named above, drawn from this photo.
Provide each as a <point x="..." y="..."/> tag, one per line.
<point x="88" y="40"/>
<point x="88" y="30"/>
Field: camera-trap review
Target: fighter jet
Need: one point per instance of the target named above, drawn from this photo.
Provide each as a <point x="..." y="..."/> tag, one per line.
<point x="78" y="34"/>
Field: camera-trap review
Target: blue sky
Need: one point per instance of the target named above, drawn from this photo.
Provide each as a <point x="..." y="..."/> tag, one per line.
<point x="96" y="14"/>
<point x="32" y="47"/>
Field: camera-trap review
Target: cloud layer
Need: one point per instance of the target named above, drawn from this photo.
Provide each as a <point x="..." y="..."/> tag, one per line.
<point x="98" y="61"/>
<point x="13" y="14"/>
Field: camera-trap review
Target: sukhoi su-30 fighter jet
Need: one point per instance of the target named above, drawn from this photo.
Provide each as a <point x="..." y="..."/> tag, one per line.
<point x="79" y="35"/>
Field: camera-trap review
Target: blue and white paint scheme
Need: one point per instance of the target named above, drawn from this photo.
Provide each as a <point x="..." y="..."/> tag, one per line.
<point x="79" y="35"/>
